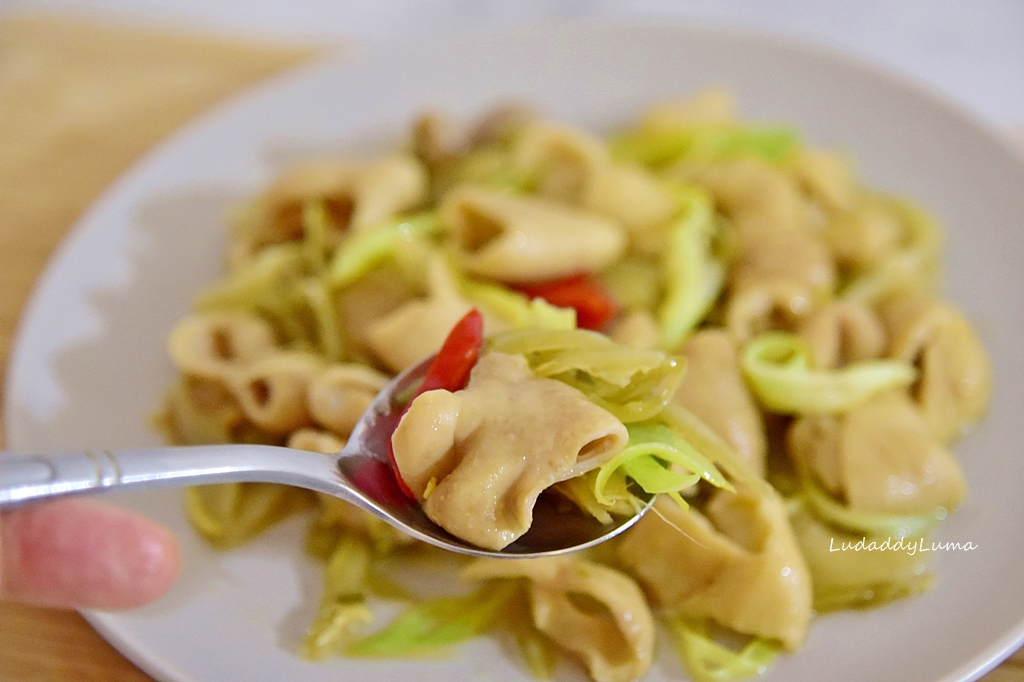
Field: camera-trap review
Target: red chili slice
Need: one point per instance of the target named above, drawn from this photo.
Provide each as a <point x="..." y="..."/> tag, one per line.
<point x="449" y="370"/>
<point x="594" y="306"/>
<point x="451" y="366"/>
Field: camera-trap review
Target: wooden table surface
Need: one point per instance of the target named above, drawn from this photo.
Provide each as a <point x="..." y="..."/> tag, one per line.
<point x="79" y="101"/>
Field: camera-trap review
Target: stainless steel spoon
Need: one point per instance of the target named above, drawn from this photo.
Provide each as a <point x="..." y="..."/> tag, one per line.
<point x="360" y="474"/>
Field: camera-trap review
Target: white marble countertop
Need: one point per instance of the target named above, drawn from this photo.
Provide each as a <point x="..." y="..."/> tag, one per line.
<point x="972" y="52"/>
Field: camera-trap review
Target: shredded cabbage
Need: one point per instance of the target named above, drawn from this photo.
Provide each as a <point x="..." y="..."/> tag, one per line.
<point x="709" y="661"/>
<point x="847" y="577"/>
<point x="692" y="278"/>
<point x="912" y="266"/>
<point x="692" y="430"/>
<point x="659" y="147"/>
<point x="230" y="514"/>
<point x="437" y="623"/>
<point x="633" y="384"/>
<point x="635" y="282"/>
<point x="660" y="461"/>
<point x="829" y="510"/>
<point x="777" y="365"/>
<point x="618" y="499"/>
<point x="495" y="167"/>
<point x="268" y="276"/>
<point x="514" y="308"/>
<point x="325" y="316"/>
<point x="342" y="609"/>
<point x="315" y="226"/>
<point x="366" y="249"/>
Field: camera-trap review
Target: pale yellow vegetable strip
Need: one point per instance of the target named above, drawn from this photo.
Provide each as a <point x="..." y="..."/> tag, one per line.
<point x="632" y="384"/>
<point x="777" y="366"/>
<point x="270" y="285"/>
<point x="342" y="609"/>
<point x="692" y="278"/>
<point x="848" y="573"/>
<point x="315" y="225"/>
<point x="913" y="266"/>
<point x="655" y="440"/>
<point x="866" y="596"/>
<point x="825" y="508"/>
<point x="581" y="491"/>
<point x="661" y="146"/>
<point x="230" y="514"/>
<point x="514" y="308"/>
<point x="325" y="313"/>
<point x="438" y="623"/>
<point x="705" y="441"/>
<point x="531" y="341"/>
<point x="615" y="364"/>
<point x="273" y="269"/>
<point x="708" y="661"/>
<point x="364" y="250"/>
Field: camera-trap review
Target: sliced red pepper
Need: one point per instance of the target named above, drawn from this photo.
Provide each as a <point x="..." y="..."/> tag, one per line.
<point x="402" y="485"/>
<point x="594" y="306"/>
<point x="459" y="353"/>
<point x="449" y="370"/>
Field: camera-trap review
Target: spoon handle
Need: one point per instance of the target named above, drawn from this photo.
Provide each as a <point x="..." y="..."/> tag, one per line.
<point x="31" y="477"/>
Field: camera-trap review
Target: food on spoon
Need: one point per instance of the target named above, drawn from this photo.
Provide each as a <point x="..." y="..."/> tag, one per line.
<point x="478" y="458"/>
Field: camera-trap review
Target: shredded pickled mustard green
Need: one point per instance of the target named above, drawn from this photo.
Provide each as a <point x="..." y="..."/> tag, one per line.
<point x="778" y="366"/>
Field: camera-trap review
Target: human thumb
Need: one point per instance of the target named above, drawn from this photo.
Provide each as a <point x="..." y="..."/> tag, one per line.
<point x="82" y="553"/>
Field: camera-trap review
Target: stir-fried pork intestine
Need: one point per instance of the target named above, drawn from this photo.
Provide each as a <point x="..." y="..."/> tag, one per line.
<point x="482" y="455"/>
<point x="615" y="640"/>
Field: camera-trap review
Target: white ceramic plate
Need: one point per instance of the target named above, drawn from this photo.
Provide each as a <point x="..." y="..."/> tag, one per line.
<point x="89" y="364"/>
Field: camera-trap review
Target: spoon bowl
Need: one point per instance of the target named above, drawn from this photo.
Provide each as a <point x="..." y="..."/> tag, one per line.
<point x="360" y="474"/>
